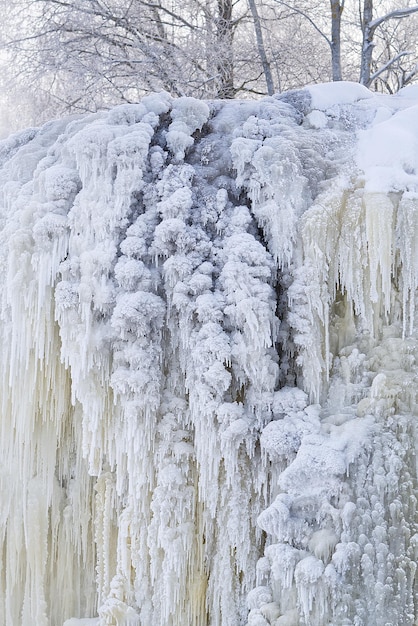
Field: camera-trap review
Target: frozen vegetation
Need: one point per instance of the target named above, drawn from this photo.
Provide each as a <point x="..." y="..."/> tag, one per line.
<point x="209" y="368"/>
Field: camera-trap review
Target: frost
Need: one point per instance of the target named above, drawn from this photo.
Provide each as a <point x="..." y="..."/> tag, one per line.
<point x="322" y="544"/>
<point x="188" y="115"/>
<point x="317" y="119"/>
<point x="193" y="113"/>
<point x="132" y="275"/>
<point x="139" y="313"/>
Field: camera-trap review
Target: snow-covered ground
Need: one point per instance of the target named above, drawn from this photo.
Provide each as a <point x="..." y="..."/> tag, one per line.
<point x="209" y="370"/>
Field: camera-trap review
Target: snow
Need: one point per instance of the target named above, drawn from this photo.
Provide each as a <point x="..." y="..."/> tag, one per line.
<point x="328" y="95"/>
<point x="388" y="153"/>
<point x="208" y="377"/>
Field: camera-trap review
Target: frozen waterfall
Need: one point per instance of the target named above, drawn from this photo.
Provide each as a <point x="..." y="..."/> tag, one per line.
<point x="209" y="370"/>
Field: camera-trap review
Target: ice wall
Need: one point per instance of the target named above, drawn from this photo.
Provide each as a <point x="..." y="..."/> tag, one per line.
<point x="208" y="370"/>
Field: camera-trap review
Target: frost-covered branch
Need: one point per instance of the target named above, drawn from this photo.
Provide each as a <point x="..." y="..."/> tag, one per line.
<point x="308" y="18"/>
<point x="396" y="14"/>
<point x="409" y="76"/>
<point x="388" y="65"/>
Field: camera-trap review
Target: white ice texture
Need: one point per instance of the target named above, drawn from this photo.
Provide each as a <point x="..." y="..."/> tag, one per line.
<point x="209" y="375"/>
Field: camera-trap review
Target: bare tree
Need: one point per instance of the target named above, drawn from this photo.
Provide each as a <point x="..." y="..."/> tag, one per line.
<point x="109" y="51"/>
<point x="395" y="61"/>
<point x="318" y="24"/>
<point x="369" y="27"/>
<point x="119" y="50"/>
<point x="82" y="55"/>
<point x="261" y="47"/>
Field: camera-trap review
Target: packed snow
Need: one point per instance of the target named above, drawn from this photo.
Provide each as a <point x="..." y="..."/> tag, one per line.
<point x="209" y="369"/>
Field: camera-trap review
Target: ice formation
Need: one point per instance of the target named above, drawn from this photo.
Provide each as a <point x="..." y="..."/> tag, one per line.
<point x="209" y="364"/>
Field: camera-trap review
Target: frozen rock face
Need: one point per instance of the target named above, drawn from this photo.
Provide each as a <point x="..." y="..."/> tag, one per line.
<point x="208" y="376"/>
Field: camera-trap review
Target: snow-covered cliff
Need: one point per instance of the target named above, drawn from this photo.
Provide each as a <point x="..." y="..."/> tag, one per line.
<point x="208" y="380"/>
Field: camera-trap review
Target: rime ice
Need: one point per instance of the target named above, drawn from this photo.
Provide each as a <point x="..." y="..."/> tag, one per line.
<point x="208" y="377"/>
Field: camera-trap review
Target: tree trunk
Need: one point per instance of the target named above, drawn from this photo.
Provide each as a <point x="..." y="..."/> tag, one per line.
<point x="225" y="36"/>
<point x="261" y="48"/>
<point x="367" y="45"/>
<point x="337" y="7"/>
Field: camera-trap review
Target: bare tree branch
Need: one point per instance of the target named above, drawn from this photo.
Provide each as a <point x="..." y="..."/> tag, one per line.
<point x="393" y="15"/>
<point x="387" y="65"/>
<point x="308" y="18"/>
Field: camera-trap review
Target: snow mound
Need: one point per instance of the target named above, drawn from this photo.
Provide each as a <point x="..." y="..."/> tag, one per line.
<point x="324" y="96"/>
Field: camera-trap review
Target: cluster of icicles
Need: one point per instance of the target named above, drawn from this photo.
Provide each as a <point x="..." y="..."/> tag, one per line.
<point x="208" y="374"/>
